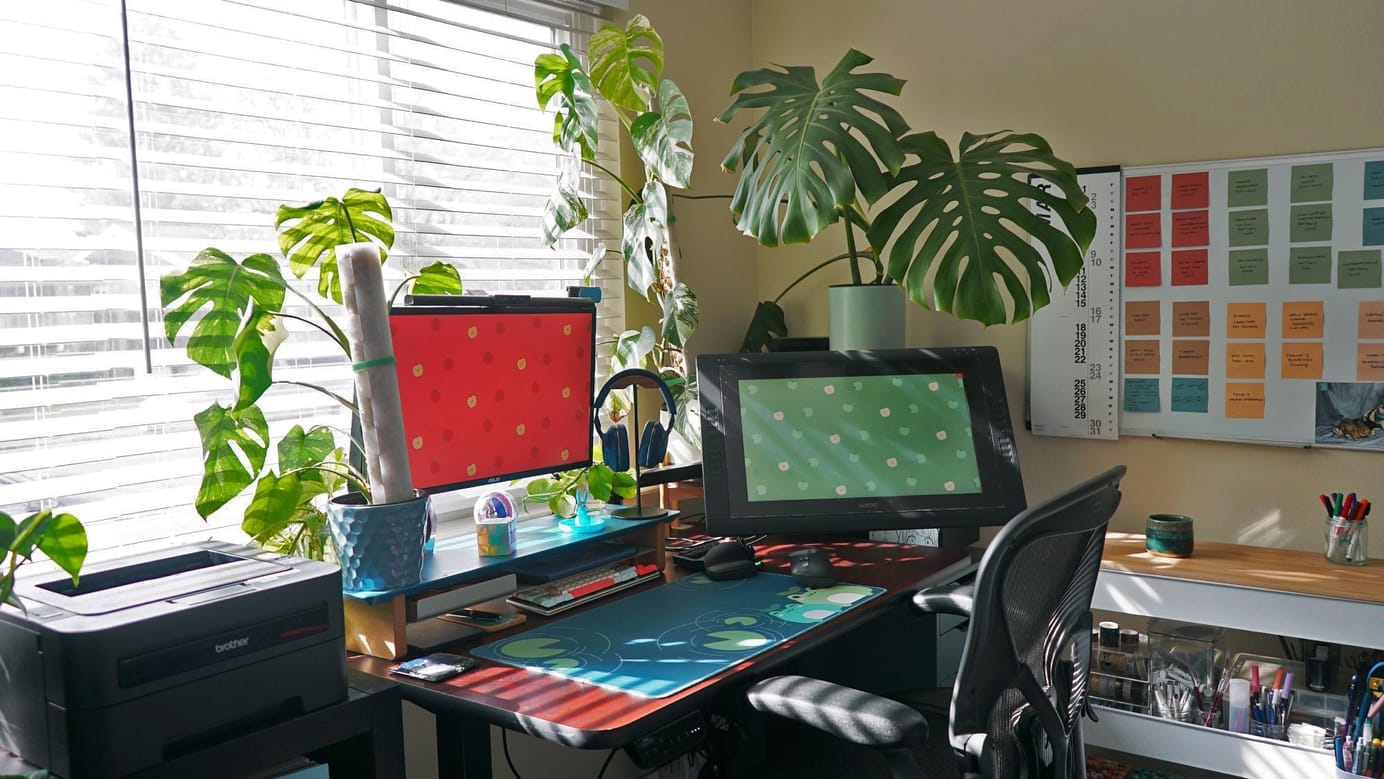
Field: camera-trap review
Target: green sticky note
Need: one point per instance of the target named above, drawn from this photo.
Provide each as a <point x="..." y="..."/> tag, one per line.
<point x="1358" y="270"/>
<point x="1247" y="188"/>
<point x="1374" y="180"/>
<point x="1249" y="227"/>
<point x="1249" y="266"/>
<point x="1309" y="265"/>
<point x="1311" y="183"/>
<point x="1310" y="224"/>
<point x="1141" y="395"/>
<point x="1372" y="227"/>
<point x="1190" y="395"/>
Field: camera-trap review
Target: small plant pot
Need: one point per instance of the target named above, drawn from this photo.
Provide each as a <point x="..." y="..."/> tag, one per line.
<point x="379" y="546"/>
<point x="866" y="316"/>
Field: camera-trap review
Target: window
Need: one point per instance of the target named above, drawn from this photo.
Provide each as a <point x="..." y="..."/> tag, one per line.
<point x="130" y="142"/>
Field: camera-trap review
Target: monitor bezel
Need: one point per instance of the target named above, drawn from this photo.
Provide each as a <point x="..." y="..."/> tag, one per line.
<point x="728" y="510"/>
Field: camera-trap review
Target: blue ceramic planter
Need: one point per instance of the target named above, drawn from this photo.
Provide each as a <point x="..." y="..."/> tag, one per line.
<point x="379" y="547"/>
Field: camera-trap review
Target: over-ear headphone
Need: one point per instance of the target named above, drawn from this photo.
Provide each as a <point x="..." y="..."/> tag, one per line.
<point x="653" y="441"/>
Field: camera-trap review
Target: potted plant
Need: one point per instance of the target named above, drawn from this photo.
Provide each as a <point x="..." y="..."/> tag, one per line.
<point x="953" y="232"/>
<point x="59" y="536"/>
<point x="237" y="314"/>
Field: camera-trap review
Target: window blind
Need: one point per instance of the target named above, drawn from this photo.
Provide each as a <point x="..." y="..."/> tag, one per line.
<point x="230" y="109"/>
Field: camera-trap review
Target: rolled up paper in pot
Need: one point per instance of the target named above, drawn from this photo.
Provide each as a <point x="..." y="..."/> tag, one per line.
<point x="377" y="386"/>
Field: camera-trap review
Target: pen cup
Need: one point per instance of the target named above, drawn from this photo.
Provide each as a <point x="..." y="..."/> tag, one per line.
<point x="1347" y="541"/>
<point x="1273" y="730"/>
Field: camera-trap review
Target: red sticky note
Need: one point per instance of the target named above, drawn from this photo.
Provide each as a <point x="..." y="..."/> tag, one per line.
<point x="1143" y="269"/>
<point x="1144" y="231"/>
<point x="1191" y="190"/>
<point x="1190" y="228"/>
<point x="1144" y="193"/>
<point x="1189" y="268"/>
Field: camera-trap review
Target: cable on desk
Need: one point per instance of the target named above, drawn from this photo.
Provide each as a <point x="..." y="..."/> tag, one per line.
<point x="504" y="742"/>
<point x="606" y="764"/>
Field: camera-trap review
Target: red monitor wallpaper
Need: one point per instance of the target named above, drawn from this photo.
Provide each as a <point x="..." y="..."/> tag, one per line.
<point x="490" y="396"/>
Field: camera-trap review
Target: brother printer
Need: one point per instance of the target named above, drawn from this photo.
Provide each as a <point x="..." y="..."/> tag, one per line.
<point x="158" y="654"/>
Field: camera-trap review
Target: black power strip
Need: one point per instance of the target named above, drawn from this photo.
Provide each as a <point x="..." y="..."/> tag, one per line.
<point x="669" y="741"/>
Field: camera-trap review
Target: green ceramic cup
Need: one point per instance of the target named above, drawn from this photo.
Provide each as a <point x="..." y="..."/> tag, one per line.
<point x="1169" y="535"/>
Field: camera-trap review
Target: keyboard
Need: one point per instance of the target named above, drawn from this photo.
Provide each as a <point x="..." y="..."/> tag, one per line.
<point x="572" y="591"/>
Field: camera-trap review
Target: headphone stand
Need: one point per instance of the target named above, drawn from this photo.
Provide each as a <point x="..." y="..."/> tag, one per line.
<point x="637" y="511"/>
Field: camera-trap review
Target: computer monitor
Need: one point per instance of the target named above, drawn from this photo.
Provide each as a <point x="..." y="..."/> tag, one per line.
<point x="844" y="442"/>
<point x="494" y="390"/>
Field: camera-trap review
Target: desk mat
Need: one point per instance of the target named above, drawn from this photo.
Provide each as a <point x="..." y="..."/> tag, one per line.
<point x="663" y="640"/>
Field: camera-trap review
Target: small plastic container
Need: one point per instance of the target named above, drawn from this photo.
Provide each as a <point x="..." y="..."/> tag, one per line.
<point x="1237" y="706"/>
<point x="1273" y="730"/>
<point x="1183" y="661"/>
<point x="1347" y="541"/>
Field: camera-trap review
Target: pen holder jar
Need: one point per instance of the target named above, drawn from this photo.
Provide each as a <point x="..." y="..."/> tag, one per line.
<point x="1273" y="730"/>
<point x="1183" y="659"/>
<point x="1346" y="541"/>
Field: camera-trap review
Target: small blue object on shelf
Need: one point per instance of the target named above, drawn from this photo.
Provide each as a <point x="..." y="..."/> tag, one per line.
<point x="583" y="522"/>
<point x="495" y="525"/>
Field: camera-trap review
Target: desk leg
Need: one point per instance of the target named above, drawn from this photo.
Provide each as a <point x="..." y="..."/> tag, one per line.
<point x="463" y="748"/>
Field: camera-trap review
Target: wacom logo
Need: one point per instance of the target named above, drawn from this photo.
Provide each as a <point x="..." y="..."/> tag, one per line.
<point x="235" y="643"/>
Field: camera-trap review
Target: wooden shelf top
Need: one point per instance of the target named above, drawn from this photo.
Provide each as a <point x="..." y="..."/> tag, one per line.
<point x="1283" y="570"/>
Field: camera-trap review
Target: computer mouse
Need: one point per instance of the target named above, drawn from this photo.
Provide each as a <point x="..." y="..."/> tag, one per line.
<point x="730" y="560"/>
<point x="811" y="567"/>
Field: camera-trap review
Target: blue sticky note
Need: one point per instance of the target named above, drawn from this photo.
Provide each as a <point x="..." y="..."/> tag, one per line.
<point x="1374" y="180"/>
<point x="1373" y="227"/>
<point x="1141" y="395"/>
<point x="1190" y="395"/>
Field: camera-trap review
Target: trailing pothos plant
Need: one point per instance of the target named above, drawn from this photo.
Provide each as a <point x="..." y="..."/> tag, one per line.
<point x="955" y="231"/>
<point x="59" y="536"/>
<point x="238" y="316"/>
<point x="625" y="72"/>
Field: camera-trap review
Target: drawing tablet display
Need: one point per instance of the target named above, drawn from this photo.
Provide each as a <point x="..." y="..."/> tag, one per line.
<point x="663" y="640"/>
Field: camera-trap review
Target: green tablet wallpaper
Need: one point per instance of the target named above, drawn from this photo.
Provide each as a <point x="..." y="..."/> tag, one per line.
<point x="857" y="436"/>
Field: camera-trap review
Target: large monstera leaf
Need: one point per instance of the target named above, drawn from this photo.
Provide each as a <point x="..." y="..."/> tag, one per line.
<point x="646" y="236"/>
<point x="956" y="218"/>
<point x="803" y="159"/>
<point x="309" y="235"/>
<point x="226" y="289"/>
<point x="681" y="315"/>
<point x="560" y="79"/>
<point x="626" y="64"/>
<point x="663" y="138"/>
<point x="255" y="345"/>
<point x="439" y="278"/>
<point x="565" y="209"/>
<point x="234" y="444"/>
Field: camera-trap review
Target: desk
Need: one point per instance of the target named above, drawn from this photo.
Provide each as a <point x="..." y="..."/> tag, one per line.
<point x="590" y="717"/>
<point x="1275" y="591"/>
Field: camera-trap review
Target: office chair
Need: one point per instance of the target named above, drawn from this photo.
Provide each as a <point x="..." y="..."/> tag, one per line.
<point x="1021" y="688"/>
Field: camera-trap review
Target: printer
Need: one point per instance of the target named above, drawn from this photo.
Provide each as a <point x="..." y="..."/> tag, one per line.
<point x="158" y="654"/>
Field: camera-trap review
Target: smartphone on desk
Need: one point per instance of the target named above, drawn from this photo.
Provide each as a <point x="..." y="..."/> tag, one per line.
<point x="483" y="619"/>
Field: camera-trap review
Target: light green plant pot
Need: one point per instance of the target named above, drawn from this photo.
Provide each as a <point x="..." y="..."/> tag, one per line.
<point x="867" y="316"/>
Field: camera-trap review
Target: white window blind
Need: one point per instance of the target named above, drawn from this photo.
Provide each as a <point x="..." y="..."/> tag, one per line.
<point x="226" y="110"/>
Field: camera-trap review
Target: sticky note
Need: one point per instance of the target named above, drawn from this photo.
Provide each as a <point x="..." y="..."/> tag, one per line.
<point x="1143" y="269"/>
<point x="1374" y="180"/>
<point x="1309" y="265"/>
<point x="1372" y="229"/>
<point x="1143" y="231"/>
<point x="1142" y="317"/>
<point x="1191" y="318"/>
<point x="1310" y="224"/>
<point x="1244" y="401"/>
<point x="1358" y="269"/>
<point x="1191" y="357"/>
<point x="1143" y="193"/>
<point x="1141" y="395"/>
<point x="1190" y="228"/>
<point x="1141" y="356"/>
<point x="1371" y="319"/>
<point x="1244" y="360"/>
<point x="1190" y="190"/>
<point x="1190" y="395"/>
<point x="1301" y="360"/>
<point x="1244" y="320"/>
<point x="1310" y="183"/>
<point x="1303" y="318"/>
<point x="1369" y="362"/>
<point x="1249" y="227"/>
<point x="1189" y="267"/>
<point x="1248" y="266"/>
<point x="1247" y="188"/>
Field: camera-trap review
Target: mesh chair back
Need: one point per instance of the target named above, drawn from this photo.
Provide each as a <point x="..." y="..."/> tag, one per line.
<point x="1024" y="667"/>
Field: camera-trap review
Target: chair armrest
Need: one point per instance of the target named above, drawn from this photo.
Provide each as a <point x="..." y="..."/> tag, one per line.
<point x="847" y="713"/>
<point x="955" y="599"/>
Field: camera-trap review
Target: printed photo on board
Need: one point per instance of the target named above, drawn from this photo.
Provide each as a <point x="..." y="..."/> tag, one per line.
<point x="1350" y="414"/>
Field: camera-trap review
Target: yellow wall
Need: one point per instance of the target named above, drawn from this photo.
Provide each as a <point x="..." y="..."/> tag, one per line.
<point x="1105" y="81"/>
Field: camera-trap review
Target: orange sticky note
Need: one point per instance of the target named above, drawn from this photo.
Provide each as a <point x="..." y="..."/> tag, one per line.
<point x="1190" y="228"/>
<point x="1142" y="317"/>
<point x="1192" y="318"/>
<point x="1141" y="357"/>
<point x="1244" y="401"/>
<point x="1302" y="360"/>
<point x="1244" y="360"/>
<point x="1303" y="318"/>
<point x="1369" y="362"/>
<point x="1190" y="358"/>
<point x="1191" y="190"/>
<point x="1372" y="319"/>
<point x="1245" y="320"/>
<point x="1143" y="193"/>
<point x="1143" y="231"/>
<point x="1143" y="269"/>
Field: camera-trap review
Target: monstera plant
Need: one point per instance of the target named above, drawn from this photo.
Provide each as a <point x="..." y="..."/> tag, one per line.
<point x="238" y="315"/>
<point x="625" y="74"/>
<point x="956" y="231"/>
